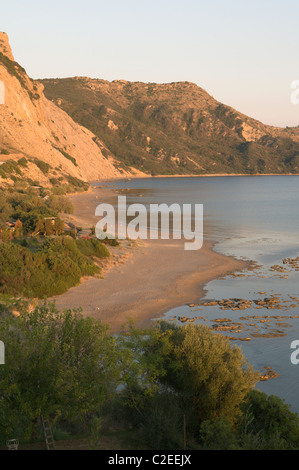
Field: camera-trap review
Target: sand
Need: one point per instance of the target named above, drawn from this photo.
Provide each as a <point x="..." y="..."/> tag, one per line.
<point x="144" y="279"/>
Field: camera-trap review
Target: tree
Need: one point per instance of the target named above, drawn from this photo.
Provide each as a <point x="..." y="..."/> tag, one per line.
<point x="210" y="374"/>
<point x="210" y="377"/>
<point x="57" y="364"/>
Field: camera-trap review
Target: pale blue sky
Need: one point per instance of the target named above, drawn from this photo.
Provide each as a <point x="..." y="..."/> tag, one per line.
<point x="244" y="53"/>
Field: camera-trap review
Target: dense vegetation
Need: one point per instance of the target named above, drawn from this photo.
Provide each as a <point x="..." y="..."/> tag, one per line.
<point x="16" y="171"/>
<point x="59" y="365"/>
<point x="70" y="370"/>
<point x="31" y="206"/>
<point x="174" y="128"/>
<point x="48" y="267"/>
<point x="36" y="258"/>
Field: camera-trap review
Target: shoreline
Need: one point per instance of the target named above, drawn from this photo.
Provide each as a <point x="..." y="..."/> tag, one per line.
<point x="144" y="279"/>
<point x="209" y="175"/>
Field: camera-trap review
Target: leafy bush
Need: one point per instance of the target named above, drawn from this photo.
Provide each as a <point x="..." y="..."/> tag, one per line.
<point x="162" y="425"/>
<point x="62" y="366"/>
<point x="270" y="424"/>
<point x="218" y="434"/>
<point x="60" y="204"/>
<point x="9" y="167"/>
<point x="49" y="268"/>
<point x="67" y="156"/>
<point x="92" y="247"/>
<point x="77" y="184"/>
<point x="23" y="162"/>
<point x="43" y="166"/>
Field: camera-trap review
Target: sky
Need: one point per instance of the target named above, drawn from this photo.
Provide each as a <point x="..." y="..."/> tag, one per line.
<point x="244" y="53"/>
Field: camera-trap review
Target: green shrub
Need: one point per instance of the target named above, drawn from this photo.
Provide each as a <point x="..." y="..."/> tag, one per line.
<point x="92" y="247"/>
<point x="162" y="425"/>
<point x="49" y="268"/>
<point x="67" y="156"/>
<point x="77" y="183"/>
<point x="218" y="434"/>
<point x="64" y="366"/>
<point x="270" y="422"/>
<point x="59" y="190"/>
<point x="43" y="166"/>
<point x="23" y="162"/>
<point x="60" y="204"/>
<point x="10" y="166"/>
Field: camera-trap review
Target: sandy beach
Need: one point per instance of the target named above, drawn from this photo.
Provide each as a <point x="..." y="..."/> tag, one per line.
<point x="143" y="279"/>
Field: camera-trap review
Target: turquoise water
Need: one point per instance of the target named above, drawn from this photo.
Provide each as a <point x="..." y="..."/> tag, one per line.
<point x="254" y="218"/>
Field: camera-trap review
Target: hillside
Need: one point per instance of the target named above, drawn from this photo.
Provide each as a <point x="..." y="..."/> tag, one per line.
<point x="175" y="128"/>
<point x="34" y="131"/>
<point x="87" y="129"/>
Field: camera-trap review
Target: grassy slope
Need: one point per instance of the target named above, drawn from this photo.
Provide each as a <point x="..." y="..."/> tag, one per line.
<point x="174" y="128"/>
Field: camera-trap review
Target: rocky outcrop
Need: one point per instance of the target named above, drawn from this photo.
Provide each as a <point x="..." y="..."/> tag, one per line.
<point x="5" y="48"/>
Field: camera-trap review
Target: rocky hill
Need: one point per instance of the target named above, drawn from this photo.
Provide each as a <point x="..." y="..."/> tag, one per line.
<point x="85" y="129"/>
<point x="175" y="128"/>
<point x="40" y="135"/>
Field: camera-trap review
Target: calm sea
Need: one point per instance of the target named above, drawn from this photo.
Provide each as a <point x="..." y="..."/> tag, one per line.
<point x="254" y="218"/>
